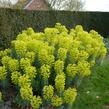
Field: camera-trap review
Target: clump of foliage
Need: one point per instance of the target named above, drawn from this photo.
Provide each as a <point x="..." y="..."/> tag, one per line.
<point x="45" y="67"/>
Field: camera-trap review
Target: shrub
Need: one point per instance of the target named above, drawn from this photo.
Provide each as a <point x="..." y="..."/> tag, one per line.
<point x="44" y="66"/>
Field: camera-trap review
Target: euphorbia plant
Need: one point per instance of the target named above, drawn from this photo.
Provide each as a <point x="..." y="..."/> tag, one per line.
<point x="43" y="66"/>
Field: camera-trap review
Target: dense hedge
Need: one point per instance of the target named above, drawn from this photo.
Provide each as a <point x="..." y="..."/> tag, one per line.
<point x="13" y="21"/>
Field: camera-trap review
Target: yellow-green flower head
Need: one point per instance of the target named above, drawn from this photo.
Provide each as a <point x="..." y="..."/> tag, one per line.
<point x="5" y="60"/>
<point x="56" y="101"/>
<point x="30" y="71"/>
<point x="61" y="28"/>
<point x="20" y="47"/>
<point x="72" y="33"/>
<point x="62" y="52"/>
<point x="3" y="73"/>
<point x="78" y="28"/>
<point x="23" y="37"/>
<point x="70" y="95"/>
<point x="24" y="81"/>
<point x="36" y="45"/>
<point x="83" y="55"/>
<point x="95" y="52"/>
<point x="51" y="32"/>
<point x="15" y="77"/>
<point x="84" y="37"/>
<point x="31" y="56"/>
<point x="50" y="60"/>
<point x="50" y="49"/>
<point x="38" y="36"/>
<point x="30" y="31"/>
<point x="59" y="66"/>
<point x="60" y="82"/>
<point x="36" y="102"/>
<point x="84" y="68"/>
<point x="42" y="55"/>
<point x="26" y="93"/>
<point x="93" y="33"/>
<point x="74" y="55"/>
<point x="48" y="92"/>
<point x="89" y="49"/>
<point x="45" y="58"/>
<point x="0" y="96"/>
<point x="75" y="44"/>
<point x="72" y="70"/>
<point x="13" y="65"/>
<point x="45" y="71"/>
<point x="64" y="42"/>
<point x="25" y="62"/>
<point x="5" y="53"/>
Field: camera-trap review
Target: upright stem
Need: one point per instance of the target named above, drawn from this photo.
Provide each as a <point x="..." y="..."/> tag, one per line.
<point x="78" y="81"/>
<point x="45" y="82"/>
<point x="68" y="106"/>
<point x="69" y="81"/>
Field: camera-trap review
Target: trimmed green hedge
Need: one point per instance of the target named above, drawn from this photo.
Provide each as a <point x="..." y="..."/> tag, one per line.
<point x="14" y="21"/>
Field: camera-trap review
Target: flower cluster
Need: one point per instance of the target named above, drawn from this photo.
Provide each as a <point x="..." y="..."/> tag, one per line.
<point x="20" y="47"/>
<point x="71" y="70"/>
<point x="60" y="82"/>
<point x="31" y="56"/>
<point x="62" y="53"/>
<point x="45" y="72"/>
<point x="84" y="68"/>
<point x="13" y="65"/>
<point x="48" y="92"/>
<point x="15" y="77"/>
<point x="5" y="53"/>
<point x="57" y="101"/>
<point x="36" y="102"/>
<point x="25" y="62"/>
<point x="59" y="66"/>
<point x="30" y="71"/>
<point x="46" y="59"/>
<point x="24" y="81"/>
<point x="70" y="95"/>
<point x="5" y="61"/>
<point x="3" y="73"/>
<point x="26" y="93"/>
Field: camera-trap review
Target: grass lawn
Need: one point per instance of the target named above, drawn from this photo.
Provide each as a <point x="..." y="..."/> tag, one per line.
<point x="94" y="91"/>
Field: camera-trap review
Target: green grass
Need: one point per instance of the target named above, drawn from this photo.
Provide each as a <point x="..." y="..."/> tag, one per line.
<point x="94" y="91"/>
